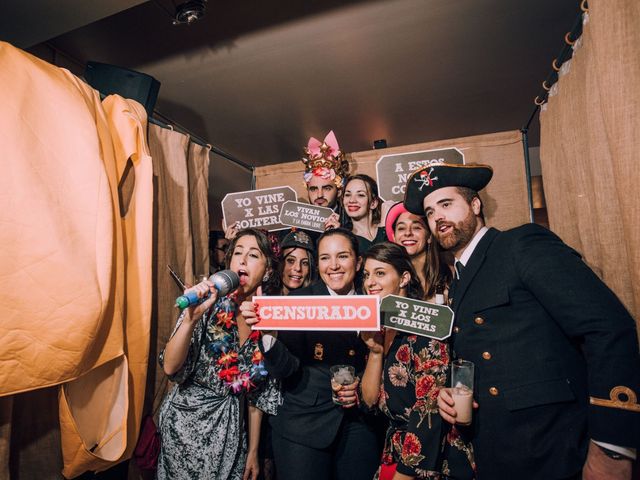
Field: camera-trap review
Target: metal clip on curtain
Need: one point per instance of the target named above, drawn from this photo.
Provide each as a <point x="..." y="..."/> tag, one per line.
<point x="541" y="98"/>
<point x="566" y="52"/>
<point x="567" y="39"/>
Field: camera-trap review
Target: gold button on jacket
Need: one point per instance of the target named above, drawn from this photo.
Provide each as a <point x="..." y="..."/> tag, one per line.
<point x="493" y="391"/>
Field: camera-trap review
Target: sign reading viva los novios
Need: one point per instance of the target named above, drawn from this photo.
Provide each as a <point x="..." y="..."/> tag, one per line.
<point x="303" y="215"/>
<point x="394" y="170"/>
<point x="257" y="208"/>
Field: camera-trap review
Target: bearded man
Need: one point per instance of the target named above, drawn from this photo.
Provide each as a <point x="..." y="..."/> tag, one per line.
<point x="324" y="175"/>
<point x="555" y="352"/>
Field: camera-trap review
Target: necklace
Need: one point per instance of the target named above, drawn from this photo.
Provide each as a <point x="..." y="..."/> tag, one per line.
<point x="237" y="371"/>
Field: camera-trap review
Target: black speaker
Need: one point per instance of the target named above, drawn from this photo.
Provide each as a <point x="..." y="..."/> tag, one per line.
<point x="382" y="143"/>
<point x="108" y="79"/>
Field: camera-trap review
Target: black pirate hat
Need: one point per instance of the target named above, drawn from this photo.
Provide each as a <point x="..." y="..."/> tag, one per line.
<point x="433" y="177"/>
<point x="297" y="239"/>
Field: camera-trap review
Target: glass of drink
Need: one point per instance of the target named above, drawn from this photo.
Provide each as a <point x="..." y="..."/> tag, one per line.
<point x="462" y="390"/>
<point x="341" y="375"/>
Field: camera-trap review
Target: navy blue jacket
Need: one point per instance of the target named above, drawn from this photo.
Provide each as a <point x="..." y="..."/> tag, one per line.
<point x="546" y="334"/>
<point x="302" y="360"/>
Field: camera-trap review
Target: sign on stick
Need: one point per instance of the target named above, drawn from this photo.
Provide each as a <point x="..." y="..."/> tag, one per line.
<point x="257" y="208"/>
<point x="415" y="316"/>
<point x="303" y="215"/>
<point x="394" y="170"/>
<point x="324" y="312"/>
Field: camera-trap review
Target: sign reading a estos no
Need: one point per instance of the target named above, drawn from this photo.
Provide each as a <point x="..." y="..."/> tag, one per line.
<point x="394" y="170"/>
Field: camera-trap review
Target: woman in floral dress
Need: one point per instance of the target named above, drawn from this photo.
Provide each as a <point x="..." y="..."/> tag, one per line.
<point x="214" y="358"/>
<point x="403" y="376"/>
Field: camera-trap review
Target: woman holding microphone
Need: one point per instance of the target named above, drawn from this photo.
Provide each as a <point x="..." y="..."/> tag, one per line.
<point x="214" y="358"/>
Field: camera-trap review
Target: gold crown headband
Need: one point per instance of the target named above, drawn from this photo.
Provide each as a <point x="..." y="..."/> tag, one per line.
<point x="325" y="160"/>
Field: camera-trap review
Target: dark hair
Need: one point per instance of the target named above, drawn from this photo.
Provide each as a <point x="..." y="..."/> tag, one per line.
<point x="348" y="234"/>
<point x="396" y="256"/>
<point x="353" y="242"/>
<point x="469" y="194"/>
<point x="372" y="191"/>
<point x="424" y="220"/>
<point x="313" y="270"/>
<point x="214" y="236"/>
<point x="437" y="271"/>
<point x="272" y="283"/>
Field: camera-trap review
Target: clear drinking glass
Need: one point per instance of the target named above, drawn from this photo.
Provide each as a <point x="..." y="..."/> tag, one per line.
<point x="462" y="390"/>
<point x="341" y="375"/>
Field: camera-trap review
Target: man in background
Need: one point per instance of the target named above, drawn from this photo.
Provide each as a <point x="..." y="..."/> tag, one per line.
<point x="217" y="250"/>
<point x="324" y="175"/>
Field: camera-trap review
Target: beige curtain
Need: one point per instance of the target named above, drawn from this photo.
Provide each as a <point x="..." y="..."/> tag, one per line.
<point x="78" y="245"/>
<point x="505" y="199"/>
<point x="100" y="412"/>
<point x="198" y="167"/>
<point x="173" y="243"/>
<point x="590" y="139"/>
<point x="181" y="234"/>
<point x="60" y="238"/>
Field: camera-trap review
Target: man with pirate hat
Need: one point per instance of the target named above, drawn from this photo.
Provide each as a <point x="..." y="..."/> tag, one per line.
<point x="556" y="353"/>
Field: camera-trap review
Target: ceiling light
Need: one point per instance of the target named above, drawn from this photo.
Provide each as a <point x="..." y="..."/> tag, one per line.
<point x="190" y="12"/>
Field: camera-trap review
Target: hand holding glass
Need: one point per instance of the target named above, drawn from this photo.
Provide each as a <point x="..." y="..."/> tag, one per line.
<point x="341" y="375"/>
<point x="462" y="390"/>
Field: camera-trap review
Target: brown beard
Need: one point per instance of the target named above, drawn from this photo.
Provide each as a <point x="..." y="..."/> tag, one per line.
<point x="460" y="235"/>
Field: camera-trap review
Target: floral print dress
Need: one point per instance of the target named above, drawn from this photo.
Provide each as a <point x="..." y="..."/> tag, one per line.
<point x="418" y="441"/>
<point x="202" y="419"/>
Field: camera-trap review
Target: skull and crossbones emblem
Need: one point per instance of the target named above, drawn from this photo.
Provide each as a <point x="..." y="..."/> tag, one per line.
<point x="425" y="178"/>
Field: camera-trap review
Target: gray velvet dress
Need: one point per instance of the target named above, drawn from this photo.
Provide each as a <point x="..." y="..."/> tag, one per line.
<point x="202" y="418"/>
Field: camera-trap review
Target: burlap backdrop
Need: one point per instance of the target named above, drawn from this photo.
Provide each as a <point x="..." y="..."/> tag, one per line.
<point x="505" y="198"/>
<point x="590" y="138"/>
<point x="181" y="234"/>
<point x="198" y="166"/>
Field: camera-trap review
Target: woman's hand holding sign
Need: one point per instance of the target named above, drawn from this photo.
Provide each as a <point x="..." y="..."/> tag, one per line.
<point x="332" y="222"/>
<point x="374" y="341"/>
<point x="248" y="310"/>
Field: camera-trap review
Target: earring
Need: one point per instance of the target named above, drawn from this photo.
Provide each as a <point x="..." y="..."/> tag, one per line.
<point x="265" y="278"/>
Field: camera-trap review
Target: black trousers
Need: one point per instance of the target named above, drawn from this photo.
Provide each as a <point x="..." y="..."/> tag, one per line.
<point x="354" y="455"/>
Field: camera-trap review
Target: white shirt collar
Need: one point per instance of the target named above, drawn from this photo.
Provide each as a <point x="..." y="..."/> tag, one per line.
<point x="334" y="294"/>
<point x="466" y="254"/>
